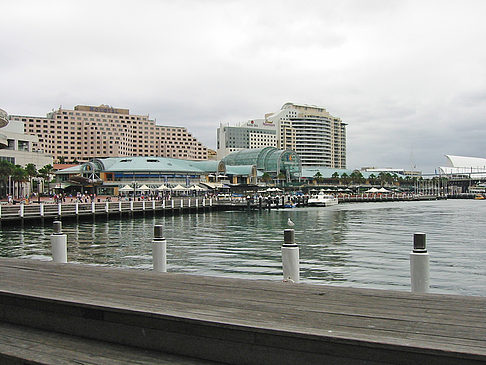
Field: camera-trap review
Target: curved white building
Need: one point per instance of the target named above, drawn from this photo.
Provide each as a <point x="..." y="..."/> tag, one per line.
<point x="463" y="165"/>
<point x="317" y="137"/>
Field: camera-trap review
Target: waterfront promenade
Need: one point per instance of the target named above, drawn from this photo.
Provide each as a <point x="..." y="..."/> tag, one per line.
<point x="71" y="314"/>
<point x="51" y="210"/>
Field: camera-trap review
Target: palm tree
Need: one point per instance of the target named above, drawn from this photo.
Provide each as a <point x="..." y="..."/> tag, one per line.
<point x="6" y="169"/>
<point x="31" y="171"/>
<point x="318" y="177"/>
<point x="45" y="173"/>
<point x="266" y="178"/>
<point x="19" y="175"/>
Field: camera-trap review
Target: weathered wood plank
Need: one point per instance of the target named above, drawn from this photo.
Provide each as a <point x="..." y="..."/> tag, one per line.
<point x="443" y="323"/>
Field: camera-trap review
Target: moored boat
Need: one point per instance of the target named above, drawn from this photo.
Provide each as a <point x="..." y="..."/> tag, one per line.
<point x="322" y="199"/>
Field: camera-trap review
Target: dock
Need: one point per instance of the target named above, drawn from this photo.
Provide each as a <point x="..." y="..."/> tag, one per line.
<point x="178" y="205"/>
<point x="84" y="314"/>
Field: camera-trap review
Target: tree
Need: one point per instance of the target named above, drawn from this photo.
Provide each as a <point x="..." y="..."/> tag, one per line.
<point x="281" y="176"/>
<point x="6" y="169"/>
<point x="61" y="159"/>
<point x="345" y="178"/>
<point x="19" y="175"/>
<point x="318" y="177"/>
<point x="31" y="172"/>
<point x="356" y="177"/>
<point x="372" y="178"/>
<point x="45" y="173"/>
<point x="266" y="178"/>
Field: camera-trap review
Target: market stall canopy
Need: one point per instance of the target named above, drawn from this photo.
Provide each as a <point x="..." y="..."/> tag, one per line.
<point x="372" y="190"/>
<point x="179" y="187"/>
<point x="144" y="188"/>
<point x="126" y="188"/>
<point x="162" y="188"/>
<point x="383" y="190"/>
<point x="196" y="188"/>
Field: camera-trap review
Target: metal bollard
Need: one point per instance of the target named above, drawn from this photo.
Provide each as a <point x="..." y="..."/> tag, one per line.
<point x="159" y="250"/>
<point x="59" y="244"/>
<point x="290" y="257"/>
<point x="419" y="265"/>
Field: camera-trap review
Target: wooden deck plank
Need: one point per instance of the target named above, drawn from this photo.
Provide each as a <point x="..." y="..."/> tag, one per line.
<point x="440" y="322"/>
<point x="38" y="346"/>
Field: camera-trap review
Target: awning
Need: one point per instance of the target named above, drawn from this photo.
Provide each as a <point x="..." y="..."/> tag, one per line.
<point x="126" y="188"/>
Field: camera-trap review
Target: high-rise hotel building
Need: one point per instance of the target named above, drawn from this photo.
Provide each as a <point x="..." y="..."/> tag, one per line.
<point x="318" y="138"/>
<point x="86" y="132"/>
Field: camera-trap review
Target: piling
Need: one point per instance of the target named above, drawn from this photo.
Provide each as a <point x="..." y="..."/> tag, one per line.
<point x="159" y="250"/>
<point x="290" y="258"/>
<point x="59" y="244"/>
<point x="419" y="264"/>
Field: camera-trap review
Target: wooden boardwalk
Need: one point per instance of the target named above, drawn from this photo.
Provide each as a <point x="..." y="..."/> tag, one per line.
<point x="228" y="320"/>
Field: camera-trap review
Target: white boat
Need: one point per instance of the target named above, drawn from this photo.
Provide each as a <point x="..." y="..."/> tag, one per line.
<point x="322" y="199"/>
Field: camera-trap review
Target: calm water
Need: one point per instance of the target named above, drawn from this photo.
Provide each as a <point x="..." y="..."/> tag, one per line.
<point x="358" y="245"/>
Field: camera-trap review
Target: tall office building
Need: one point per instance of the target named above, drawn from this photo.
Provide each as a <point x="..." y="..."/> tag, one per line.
<point x="317" y="137"/>
<point x="255" y="133"/>
<point x="86" y="132"/>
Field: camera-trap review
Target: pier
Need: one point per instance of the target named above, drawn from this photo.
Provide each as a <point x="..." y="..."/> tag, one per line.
<point x="73" y="313"/>
<point x="50" y="211"/>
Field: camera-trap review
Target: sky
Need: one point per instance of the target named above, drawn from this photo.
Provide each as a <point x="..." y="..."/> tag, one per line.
<point x="408" y="77"/>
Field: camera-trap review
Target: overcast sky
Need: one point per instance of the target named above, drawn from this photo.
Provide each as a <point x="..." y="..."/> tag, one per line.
<point x="408" y="77"/>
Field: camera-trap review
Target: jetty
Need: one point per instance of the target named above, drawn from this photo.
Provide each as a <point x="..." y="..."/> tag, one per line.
<point x="80" y="314"/>
<point x="177" y="205"/>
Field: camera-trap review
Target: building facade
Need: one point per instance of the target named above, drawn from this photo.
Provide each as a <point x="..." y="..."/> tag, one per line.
<point x="87" y="132"/>
<point x="317" y="137"/>
<point x="17" y="147"/>
<point x="255" y="133"/>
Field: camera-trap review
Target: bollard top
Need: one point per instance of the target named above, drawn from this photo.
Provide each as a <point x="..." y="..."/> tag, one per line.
<point x="289" y="237"/>
<point x="158" y="231"/>
<point x="419" y="242"/>
<point x="57" y="227"/>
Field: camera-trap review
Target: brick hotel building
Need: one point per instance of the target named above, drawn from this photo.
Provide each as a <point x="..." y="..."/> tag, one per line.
<point x="86" y="132"/>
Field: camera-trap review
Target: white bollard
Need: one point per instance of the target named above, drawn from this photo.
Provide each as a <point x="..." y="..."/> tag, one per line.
<point x="211" y="202"/>
<point x="59" y="209"/>
<point x="153" y="204"/>
<point x="41" y="207"/>
<point x="119" y="206"/>
<point x="290" y="257"/>
<point x="204" y="202"/>
<point x="77" y="208"/>
<point x="163" y="204"/>
<point x="93" y="207"/>
<point x="182" y="203"/>
<point x="159" y="250"/>
<point x="172" y="204"/>
<point x="419" y="265"/>
<point x="131" y="205"/>
<point x="59" y="244"/>
<point x="21" y="210"/>
<point x="107" y="207"/>
<point x="197" y="203"/>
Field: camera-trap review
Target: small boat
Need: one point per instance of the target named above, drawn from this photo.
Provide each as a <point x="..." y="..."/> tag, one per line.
<point x="479" y="197"/>
<point x="322" y="199"/>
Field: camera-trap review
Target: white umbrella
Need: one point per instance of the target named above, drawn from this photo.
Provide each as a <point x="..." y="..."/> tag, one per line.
<point x="162" y="188"/>
<point x="372" y="190"/>
<point x="144" y="188"/>
<point x="383" y="190"/>
<point x="126" y="188"/>
<point x="196" y="187"/>
<point x="179" y="187"/>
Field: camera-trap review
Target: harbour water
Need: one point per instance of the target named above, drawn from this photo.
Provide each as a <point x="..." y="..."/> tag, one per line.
<point x="359" y="245"/>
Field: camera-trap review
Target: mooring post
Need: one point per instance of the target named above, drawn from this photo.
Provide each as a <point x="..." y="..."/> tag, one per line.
<point x="59" y="244"/>
<point x="21" y="210"/>
<point x="41" y="208"/>
<point x="290" y="258"/>
<point x="159" y="250"/>
<point x="77" y="208"/>
<point x="419" y="265"/>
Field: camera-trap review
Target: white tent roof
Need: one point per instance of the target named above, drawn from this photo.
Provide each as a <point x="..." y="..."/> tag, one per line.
<point x="163" y="187"/>
<point x="196" y="187"/>
<point x="126" y="188"/>
<point x="383" y="190"/>
<point x="372" y="190"/>
<point x="144" y="188"/>
<point x="179" y="187"/>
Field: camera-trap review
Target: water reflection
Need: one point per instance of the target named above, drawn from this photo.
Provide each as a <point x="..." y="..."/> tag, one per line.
<point x="361" y="245"/>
